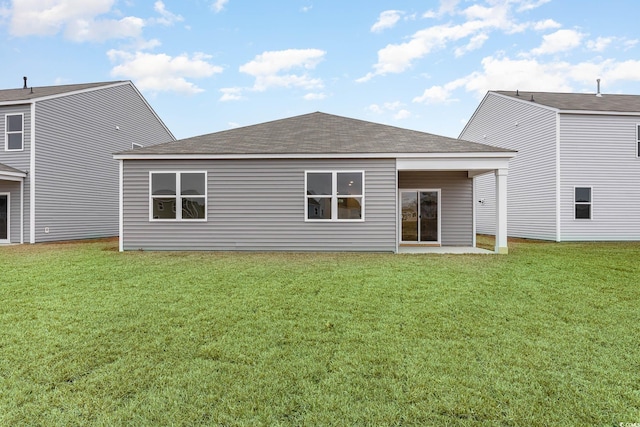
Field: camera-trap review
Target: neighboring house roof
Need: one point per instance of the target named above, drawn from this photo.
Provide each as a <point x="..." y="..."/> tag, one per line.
<point x="17" y="95"/>
<point x="579" y="101"/>
<point x="314" y="133"/>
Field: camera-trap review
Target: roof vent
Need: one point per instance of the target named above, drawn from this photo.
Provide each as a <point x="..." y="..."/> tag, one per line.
<point x="517" y="92"/>
<point x="25" y="82"/>
<point x="532" y="100"/>
<point x="598" y="92"/>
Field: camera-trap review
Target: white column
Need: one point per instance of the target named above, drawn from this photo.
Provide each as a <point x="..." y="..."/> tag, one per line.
<point x="501" y="211"/>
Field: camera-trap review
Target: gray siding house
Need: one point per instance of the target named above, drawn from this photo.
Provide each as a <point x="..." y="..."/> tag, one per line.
<point x="578" y="167"/>
<point x="315" y="182"/>
<point x="58" y="179"/>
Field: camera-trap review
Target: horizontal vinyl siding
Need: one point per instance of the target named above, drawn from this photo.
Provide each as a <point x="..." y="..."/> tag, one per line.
<point x="77" y="177"/>
<point x="531" y="184"/>
<point x="259" y="205"/>
<point x="600" y="152"/>
<point x="18" y="159"/>
<point x="456" y="202"/>
<point x="13" y="188"/>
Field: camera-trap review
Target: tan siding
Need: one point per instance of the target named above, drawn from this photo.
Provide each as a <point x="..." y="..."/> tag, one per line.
<point x="77" y="177"/>
<point x="456" y="199"/>
<point x="532" y="173"/>
<point x="259" y="205"/>
<point x="600" y="152"/>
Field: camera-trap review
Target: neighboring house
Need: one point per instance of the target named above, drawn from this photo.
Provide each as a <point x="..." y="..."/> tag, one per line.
<point x="577" y="173"/>
<point x="315" y="182"/>
<point x="58" y="179"/>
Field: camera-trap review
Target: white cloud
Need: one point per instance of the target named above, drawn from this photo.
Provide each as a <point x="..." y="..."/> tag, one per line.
<point x="600" y="44"/>
<point x="219" y="5"/>
<point x="531" y="4"/>
<point x="547" y="24"/>
<point x="314" y="96"/>
<point x="231" y="94"/>
<point x="166" y="17"/>
<point x="272" y="69"/>
<point x="560" y="41"/>
<point x="502" y="73"/>
<point x="475" y="43"/>
<point x="161" y="72"/>
<point x="89" y="30"/>
<point x="387" y="19"/>
<point x="402" y="114"/>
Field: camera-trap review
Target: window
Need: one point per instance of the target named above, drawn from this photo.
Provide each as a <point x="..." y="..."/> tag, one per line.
<point x="334" y="196"/>
<point x="582" y="198"/>
<point x="13" y="132"/>
<point x="178" y="196"/>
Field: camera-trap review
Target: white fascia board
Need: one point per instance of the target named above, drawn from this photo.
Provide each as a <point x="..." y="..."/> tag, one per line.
<point x="12" y="176"/>
<point x="454" y="164"/>
<point x="524" y="100"/>
<point x="62" y="95"/>
<point x="600" y="113"/>
<point x="476" y="155"/>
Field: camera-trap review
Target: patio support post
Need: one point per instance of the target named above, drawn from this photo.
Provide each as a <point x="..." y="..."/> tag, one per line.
<point x="501" y="211"/>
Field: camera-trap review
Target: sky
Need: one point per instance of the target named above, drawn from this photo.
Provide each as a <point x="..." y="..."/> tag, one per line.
<point x="211" y="65"/>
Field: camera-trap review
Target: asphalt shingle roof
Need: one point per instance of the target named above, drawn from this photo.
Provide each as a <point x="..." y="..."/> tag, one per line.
<point x="580" y="101"/>
<point x="17" y="95"/>
<point x="315" y="133"/>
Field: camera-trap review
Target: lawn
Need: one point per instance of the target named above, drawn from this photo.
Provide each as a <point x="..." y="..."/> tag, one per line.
<point x="547" y="335"/>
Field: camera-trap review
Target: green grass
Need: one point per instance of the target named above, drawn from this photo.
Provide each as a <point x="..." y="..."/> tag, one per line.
<point x="547" y="335"/>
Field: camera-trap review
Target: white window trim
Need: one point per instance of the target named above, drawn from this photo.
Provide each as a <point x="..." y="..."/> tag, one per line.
<point x="7" y="133"/>
<point x="582" y="203"/>
<point x="334" y="196"/>
<point x="179" y="197"/>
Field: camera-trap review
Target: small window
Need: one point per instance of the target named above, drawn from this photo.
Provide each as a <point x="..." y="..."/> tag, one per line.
<point x="178" y="196"/>
<point x="334" y="196"/>
<point x="14" y="126"/>
<point x="582" y="199"/>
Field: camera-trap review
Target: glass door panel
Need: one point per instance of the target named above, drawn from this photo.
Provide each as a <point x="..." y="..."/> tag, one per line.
<point x="4" y="218"/>
<point x="409" y="216"/>
<point x="428" y="216"/>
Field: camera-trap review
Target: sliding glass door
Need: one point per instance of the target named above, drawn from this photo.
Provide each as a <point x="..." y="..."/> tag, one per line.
<point x="420" y="216"/>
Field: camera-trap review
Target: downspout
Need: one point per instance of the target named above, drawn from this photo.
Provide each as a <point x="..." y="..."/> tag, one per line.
<point x="121" y="208"/>
<point x="32" y="177"/>
<point x="558" y="181"/>
<point x="22" y="211"/>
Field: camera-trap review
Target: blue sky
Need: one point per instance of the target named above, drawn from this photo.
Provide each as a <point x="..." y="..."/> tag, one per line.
<point x="210" y="65"/>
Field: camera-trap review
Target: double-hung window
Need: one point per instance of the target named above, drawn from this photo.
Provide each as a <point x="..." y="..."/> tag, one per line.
<point x="14" y="132"/>
<point x="177" y="196"/>
<point x="582" y="201"/>
<point x="334" y="196"/>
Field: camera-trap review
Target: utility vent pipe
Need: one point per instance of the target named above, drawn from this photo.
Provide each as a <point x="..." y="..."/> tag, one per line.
<point x="598" y="92"/>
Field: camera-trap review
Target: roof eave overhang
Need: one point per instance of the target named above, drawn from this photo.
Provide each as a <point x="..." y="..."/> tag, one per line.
<point x="12" y="176"/>
<point x="600" y="113"/>
<point x="400" y="156"/>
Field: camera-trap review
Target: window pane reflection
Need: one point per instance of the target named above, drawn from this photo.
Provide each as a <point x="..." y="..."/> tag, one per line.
<point x="163" y="184"/>
<point x="349" y="208"/>
<point x="193" y="208"/>
<point x="349" y="183"/>
<point x="319" y="208"/>
<point x="164" y="208"/>
<point x="319" y="183"/>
